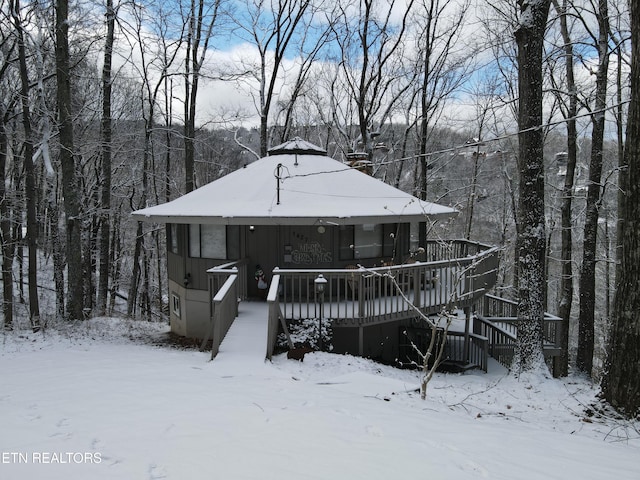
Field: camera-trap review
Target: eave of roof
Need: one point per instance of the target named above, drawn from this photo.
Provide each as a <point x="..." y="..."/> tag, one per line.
<point x="295" y="189"/>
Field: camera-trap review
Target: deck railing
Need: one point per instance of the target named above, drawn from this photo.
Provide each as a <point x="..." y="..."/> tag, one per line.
<point x="474" y="351"/>
<point x="366" y="296"/>
<point x="450" y="249"/>
<point x="496" y="319"/>
<point x="219" y="274"/>
<point x="360" y="296"/>
<point x="275" y="317"/>
<point x="227" y="284"/>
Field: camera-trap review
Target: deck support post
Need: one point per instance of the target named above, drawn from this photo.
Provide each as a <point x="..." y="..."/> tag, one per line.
<point x="467" y="322"/>
<point x="417" y="287"/>
<point x="361" y="294"/>
<point x="361" y="341"/>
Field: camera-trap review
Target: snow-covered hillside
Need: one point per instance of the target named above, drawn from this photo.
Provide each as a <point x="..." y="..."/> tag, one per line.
<point x="111" y="399"/>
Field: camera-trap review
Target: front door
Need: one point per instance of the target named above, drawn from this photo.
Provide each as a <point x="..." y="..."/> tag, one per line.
<point x="262" y="250"/>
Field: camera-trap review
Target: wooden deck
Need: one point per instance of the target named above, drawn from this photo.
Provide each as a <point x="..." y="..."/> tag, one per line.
<point x="458" y="277"/>
<point x="364" y="297"/>
<point x="369" y="296"/>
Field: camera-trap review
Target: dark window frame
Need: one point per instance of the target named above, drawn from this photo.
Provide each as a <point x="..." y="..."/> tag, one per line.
<point x="231" y="247"/>
<point x="347" y="245"/>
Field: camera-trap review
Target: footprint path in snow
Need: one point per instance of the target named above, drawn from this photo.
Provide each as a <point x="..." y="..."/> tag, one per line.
<point x="63" y="430"/>
<point x="34" y="413"/>
<point x="467" y="465"/>
<point x="156" y="472"/>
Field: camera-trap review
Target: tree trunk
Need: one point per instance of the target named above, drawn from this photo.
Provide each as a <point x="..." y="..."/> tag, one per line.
<point x="6" y="242"/>
<point x="56" y="246"/>
<point x="146" y="286"/>
<point x="105" y="200"/>
<point x="531" y="237"/>
<point x="168" y="130"/>
<point x="30" y="175"/>
<point x="189" y="154"/>
<point x="584" y="360"/>
<point x="70" y="188"/>
<point x="561" y="363"/>
<point x="403" y="155"/>
<point x="424" y="134"/>
<point x="17" y="228"/>
<point x="89" y="243"/>
<point x="622" y="162"/>
<point x="621" y="381"/>
<point x="471" y="200"/>
<point x="140" y="248"/>
<point x="115" y="260"/>
<point x="197" y="44"/>
<point x="192" y="77"/>
<point x="425" y="105"/>
<point x="132" y="299"/>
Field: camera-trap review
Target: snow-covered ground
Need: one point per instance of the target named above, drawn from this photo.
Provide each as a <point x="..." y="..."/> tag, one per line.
<point x="110" y="399"/>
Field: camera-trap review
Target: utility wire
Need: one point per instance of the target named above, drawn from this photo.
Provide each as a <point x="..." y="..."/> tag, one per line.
<point x="467" y="145"/>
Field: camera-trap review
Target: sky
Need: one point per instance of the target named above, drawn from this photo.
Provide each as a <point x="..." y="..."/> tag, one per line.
<point x="230" y="103"/>
<point x="231" y="49"/>
<point x="233" y="102"/>
<point x="111" y="398"/>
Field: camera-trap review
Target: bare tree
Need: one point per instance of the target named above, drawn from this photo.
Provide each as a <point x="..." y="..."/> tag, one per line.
<point x="6" y="214"/>
<point x="619" y="35"/>
<point x="371" y="42"/>
<point x="156" y="56"/>
<point x="531" y="237"/>
<point x="432" y="355"/>
<point x="69" y="180"/>
<point x="584" y="360"/>
<point x="309" y="46"/>
<point x="440" y="68"/>
<point x="105" y="198"/>
<point x="621" y="382"/>
<point x="483" y="110"/>
<point x="200" y="18"/>
<point x="7" y="106"/>
<point x="6" y="242"/>
<point x="30" y="174"/>
<point x="275" y="29"/>
<point x="567" y="96"/>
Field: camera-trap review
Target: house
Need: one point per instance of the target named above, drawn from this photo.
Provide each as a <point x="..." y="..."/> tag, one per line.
<point x="296" y="208"/>
<point x="297" y="214"/>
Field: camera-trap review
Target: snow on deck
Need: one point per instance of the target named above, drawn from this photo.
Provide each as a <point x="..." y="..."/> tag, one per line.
<point x="244" y="347"/>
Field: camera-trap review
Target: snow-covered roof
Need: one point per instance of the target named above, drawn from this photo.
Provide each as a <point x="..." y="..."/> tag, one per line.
<point x="312" y="189"/>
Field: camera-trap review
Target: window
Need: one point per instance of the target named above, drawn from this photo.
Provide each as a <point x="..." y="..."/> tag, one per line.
<point x="414" y="237"/>
<point x="367" y="241"/>
<point x="214" y="241"/>
<point x="361" y="241"/>
<point x="172" y="237"/>
<point x="175" y="305"/>
<point x="346" y="242"/>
